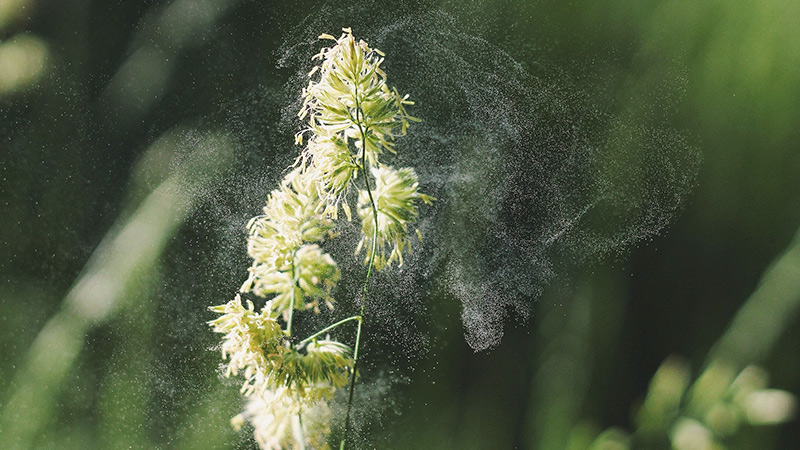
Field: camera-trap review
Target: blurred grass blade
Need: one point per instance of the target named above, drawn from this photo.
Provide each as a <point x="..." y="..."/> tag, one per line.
<point x="123" y="405"/>
<point x="132" y="246"/>
<point x="561" y="378"/>
<point x="768" y="312"/>
<point x="143" y="79"/>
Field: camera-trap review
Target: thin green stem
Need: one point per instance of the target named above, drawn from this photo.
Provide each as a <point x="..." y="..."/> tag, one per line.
<point x="301" y="435"/>
<point x="291" y="303"/>
<point x="328" y="328"/>
<point x="352" y="383"/>
<point x="363" y="130"/>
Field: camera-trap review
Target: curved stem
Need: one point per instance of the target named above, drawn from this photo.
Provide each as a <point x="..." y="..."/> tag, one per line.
<point x="363" y="130"/>
<point x="328" y="328"/>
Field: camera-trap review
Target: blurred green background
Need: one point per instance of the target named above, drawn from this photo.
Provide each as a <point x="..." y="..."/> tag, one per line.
<point x="119" y="121"/>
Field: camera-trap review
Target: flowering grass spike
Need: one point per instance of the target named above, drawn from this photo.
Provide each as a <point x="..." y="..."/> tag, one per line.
<point x="351" y="116"/>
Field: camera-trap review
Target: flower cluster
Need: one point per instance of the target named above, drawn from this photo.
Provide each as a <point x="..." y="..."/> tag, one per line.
<point x="287" y="262"/>
<point x="351" y="117"/>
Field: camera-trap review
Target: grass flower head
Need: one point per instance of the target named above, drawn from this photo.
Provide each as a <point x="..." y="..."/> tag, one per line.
<point x="351" y="117"/>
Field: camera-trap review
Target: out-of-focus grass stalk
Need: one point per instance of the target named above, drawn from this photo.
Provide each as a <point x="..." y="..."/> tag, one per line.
<point x="771" y="309"/>
<point x="164" y="33"/>
<point x="131" y="248"/>
<point x="201" y="425"/>
<point x="124" y="398"/>
<point x="574" y="338"/>
<point x="559" y="383"/>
